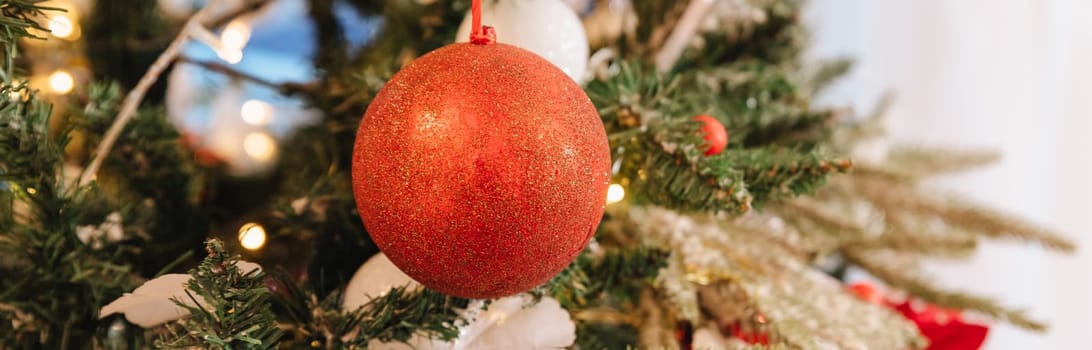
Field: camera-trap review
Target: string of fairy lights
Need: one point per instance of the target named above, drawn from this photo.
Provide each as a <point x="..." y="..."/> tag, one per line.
<point x="63" y="26"/>
<point x="64" y="67"/>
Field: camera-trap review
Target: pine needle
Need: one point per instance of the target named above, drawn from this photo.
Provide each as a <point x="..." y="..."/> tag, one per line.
<point x="907" y="280"/>
<point x="986" y="222"/>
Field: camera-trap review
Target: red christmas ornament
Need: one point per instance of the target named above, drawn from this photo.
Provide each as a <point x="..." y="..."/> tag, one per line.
<point x="202" y="155"/>
<point x="481" y="169"/>
<point x="714" y="134"/>
<point x="868" y="292"/>
<point x="749" y="337"/>
<point x="945" y="328"/>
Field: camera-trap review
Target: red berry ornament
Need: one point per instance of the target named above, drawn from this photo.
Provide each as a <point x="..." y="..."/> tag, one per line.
<point x="481" y="170"/>
<point x="714" y="134"/>
<point x="867" y="292"/>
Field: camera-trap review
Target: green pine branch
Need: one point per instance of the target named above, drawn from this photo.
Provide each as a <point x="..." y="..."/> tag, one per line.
<point x="777" y="37"/>
<point x="18" y="21"/>
<point x="236" y="312"/>
<point x="151" y="173"/>
<point x="401" y="313"/>
<point x="773" y="135"/>
<point x="615" y="273"/>
<point x="51" y="282"/>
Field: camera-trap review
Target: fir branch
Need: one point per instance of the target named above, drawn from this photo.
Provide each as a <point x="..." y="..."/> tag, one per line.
<point x="634" y="96"/>
<point x="777" y="36"/>
<point x="761" y="104"/>
<point x="657" y="19"/>
<point x="604" y="335"/>
<point x="668" y="169"/>
<point x="613" y="272"/>
<point x="400" y="313"/>
<point x="58" y="281"/>
<point x="917" y="243"/>
<point x="776" y="172"/>
<point x="395" y="315"/>
<point x="151" y="175"/>
<point x="236" y="313"/>
<point x="824" y="75"/>
<point x="897" y="197"/>
<point x="852" y="133"/>
<point x="815" y="211"/>
<point x="920" y="162"/>
<point x="907" y="280"/>
<point x="286" y="88"/>
<point x="908" y="234"/>
<point x="19" y="18"/>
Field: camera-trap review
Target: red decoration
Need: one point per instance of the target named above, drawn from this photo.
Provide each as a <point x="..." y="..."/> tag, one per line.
<point x="714" y="134"/>
<point x="481" y="170"/>
<point x="945" y="328"/>
<point x="868" y="292"/>
<point x="749" y="337"/>
<point x="203" y="155"/>
<point x="684" y="334"/>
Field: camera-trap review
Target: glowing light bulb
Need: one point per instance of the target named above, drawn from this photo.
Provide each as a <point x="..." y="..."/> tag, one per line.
<point x="259" y="146"/>
<point x="61" y="82"/>
<point x="615" y="193"/>
<point x="61" y="26"/>
<point x="230" y="55"/>
<point x="252" y="236"/>
<point x="235" y="35"/>
<point x="256" y="112"/>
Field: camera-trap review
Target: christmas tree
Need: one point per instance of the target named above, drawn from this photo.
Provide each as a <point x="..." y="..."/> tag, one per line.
<point x="253" y="174"/>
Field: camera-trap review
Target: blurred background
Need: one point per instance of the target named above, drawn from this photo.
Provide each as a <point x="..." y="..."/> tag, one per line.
<point x="1012" y="75"/>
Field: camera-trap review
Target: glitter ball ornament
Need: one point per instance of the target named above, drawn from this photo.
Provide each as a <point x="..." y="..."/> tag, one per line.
<point x="481" y="169"/>
<point x="714" y="134"/>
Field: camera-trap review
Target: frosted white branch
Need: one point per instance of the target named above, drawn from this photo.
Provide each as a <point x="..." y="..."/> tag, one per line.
<point x="133" y="99"/>
<point x="682" y="34"/>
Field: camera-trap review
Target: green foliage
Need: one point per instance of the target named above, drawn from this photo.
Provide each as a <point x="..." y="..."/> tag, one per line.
<point x="615" y="274"/>
<point x="152" y="175"/>
<point x="236" y="313"/>
<point x="125" y="37"/>
<point x="762" y="104"/>
<point x="19" y="18"/>
<point x="603" y="336"/>
<point x="774" y="136"/>
<point x="777" y="37"/>
<point x="393" y="316"/>
<point x="51" y="283"/>
<point x="400" y="313"/>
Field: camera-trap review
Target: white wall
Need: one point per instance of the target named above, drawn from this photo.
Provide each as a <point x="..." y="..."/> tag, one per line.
<point x="1015" y="75"/>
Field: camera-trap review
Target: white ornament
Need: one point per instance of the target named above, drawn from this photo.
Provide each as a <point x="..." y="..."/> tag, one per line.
<point x="508" y="323"/>
<point x="548" y="28"/>
<point x="109" y="231"/>
<point x="513" y="323"/>
<point x="177" y="9"/>
<point x="150" y="304"/>
<point x="707" y="338"/>
<point x="374" y="278"/>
